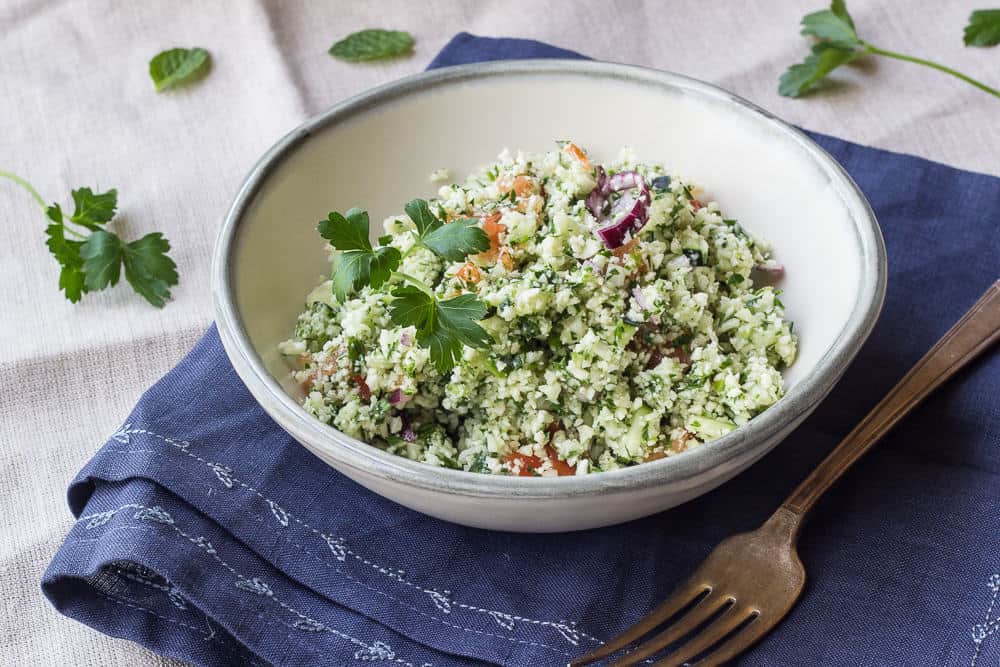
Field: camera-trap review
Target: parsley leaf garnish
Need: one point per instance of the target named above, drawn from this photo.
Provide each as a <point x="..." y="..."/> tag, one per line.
<point x="148" y="268"/>
<point x="67" y="253"/>
<point x="834" y="24"/>
<point x="453" y="240"/>
<point x="420" y="213"/>
<point x="983" y="28"/>
<point x="838" y="44"/>
<point x="373" y="44"/>
<point x="92" y="262"/>
<point x="93" y="210"/>
<point x="456" y="239"/>
<point x="348" y="231"/>
<point x="825" y="58"/>
<point x="177" y="67"/>
<point x="102" y="260"/>
<point x="358" y="264"/>
<point x="443" y="326"/>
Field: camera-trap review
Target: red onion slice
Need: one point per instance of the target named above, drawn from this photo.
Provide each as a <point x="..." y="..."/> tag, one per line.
<point x="626" y="180"/>
<point x="771" y="268"/>
<point x="407" y="433"/>
<point x="398" y="399"/>
<point x="628" y="215"/>
<point x="597" y="196"/>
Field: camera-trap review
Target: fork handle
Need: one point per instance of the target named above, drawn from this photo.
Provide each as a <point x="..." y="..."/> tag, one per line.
<point x="971" y="335"/>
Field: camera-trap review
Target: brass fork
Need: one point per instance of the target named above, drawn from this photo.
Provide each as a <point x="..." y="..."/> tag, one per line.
<point x="750" y="581"/>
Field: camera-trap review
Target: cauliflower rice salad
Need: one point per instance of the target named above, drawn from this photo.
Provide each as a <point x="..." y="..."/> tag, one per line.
<point x="584" y="318"/>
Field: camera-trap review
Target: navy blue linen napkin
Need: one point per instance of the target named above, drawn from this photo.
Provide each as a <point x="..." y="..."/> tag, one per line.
<point x="205" y="533"/>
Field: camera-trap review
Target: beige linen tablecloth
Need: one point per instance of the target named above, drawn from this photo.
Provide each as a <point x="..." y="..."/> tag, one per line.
<point x="78" y="109"/>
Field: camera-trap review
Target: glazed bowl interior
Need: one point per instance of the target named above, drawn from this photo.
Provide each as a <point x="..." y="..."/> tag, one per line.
<point x="377" y="151"/>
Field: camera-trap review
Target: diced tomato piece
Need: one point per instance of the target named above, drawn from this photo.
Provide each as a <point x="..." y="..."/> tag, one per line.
<point x="525" y="465"/>
<point x="681" y="355"/>
<point x="493" y="228"/>
<point x="680" y="444"/>
<point x="696" y="205"/>
<point x="469" y="273"/>
<point x="655" y="456"/>
<point x="525" y="186"/>
<point x="625" y="248"/>
<point x="506" y="257"/>
<point x="561" y="467"/>
<point x="578" y="153"/>
<point x="364" y="393"/>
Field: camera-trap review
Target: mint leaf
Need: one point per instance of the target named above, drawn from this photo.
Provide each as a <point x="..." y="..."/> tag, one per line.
<point x="346" y="233"/>
<point x="372" y="44"/>
<point x="102" y="260"/>
<point x="148" y="269"/>
<point x="91" y="210"/>
<point x="176" y="67"/>
<point x="825" y="57"/>
<point x="420" y="214"/>
<point x="455" y="240"/>
<point x="443" y="327"/>
<point x="983" y="28"/>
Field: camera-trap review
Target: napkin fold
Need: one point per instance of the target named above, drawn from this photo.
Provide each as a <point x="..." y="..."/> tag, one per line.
<point x="204" y="532"/>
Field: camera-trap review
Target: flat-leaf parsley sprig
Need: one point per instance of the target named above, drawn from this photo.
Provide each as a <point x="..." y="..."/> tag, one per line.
<point x="838" y="44"/>
<point x="983" y="28"/>
<point x="91" y="257"/>
<point x="444" y="326"/>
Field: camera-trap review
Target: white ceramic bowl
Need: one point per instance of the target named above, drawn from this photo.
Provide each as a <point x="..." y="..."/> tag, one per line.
<point x="376" y="151"/>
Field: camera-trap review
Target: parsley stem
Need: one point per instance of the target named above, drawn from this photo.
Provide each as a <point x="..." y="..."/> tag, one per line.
<point x="941" y="68"/>
<point x="26" y="185"/>
<point x="419" y="284"/>
<point x="417" y="244"/>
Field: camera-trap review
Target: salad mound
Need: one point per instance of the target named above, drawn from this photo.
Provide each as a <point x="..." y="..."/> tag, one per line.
<point x="548" y="316"/>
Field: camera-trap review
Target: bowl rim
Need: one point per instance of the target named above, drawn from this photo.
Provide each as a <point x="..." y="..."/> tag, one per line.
<point x="366" y="460"/>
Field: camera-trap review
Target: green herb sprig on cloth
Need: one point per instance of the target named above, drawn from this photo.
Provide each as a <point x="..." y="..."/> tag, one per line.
<point x="443" y="326"/>
<point x="178" y="67"/>
<point x="838" y="44"/>
<point x="93" y="261"/>
<point x="983" y="28"/>
<point x="373" y="44"/>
